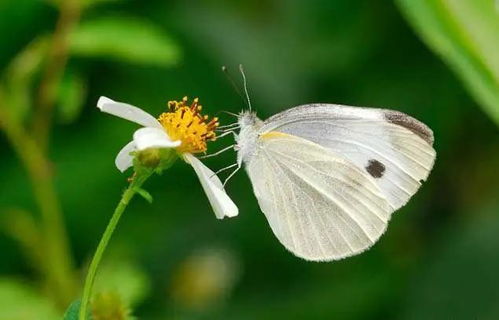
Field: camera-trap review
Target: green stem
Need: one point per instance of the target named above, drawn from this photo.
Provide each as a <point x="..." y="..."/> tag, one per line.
<point x="70" y="11"/>
<point x="92" y="271"/>
<point x="58" y="264"/>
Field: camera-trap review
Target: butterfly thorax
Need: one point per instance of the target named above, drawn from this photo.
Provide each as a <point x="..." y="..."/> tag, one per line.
<point x="249" y="125"/>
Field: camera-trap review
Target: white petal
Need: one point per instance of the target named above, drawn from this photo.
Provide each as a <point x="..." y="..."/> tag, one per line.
<point x="124" y="160"/>
<point x="145" y="138"/>
<point x="127" y="112"/>
<point x="219" y="200"/>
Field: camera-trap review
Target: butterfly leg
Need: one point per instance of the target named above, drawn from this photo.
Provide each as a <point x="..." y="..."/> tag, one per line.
<point x="232" y="125"/>
<point x="223" y="169"/>
<point x="217" y="153"/>
<point x="225" y="133"/>
<point x="232" y="173"/>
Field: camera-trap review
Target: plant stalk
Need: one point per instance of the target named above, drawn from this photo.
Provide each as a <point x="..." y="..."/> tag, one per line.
<point x="129" y="193"/>
<point x="58" y="262"/>
<point x="70" y="11"/>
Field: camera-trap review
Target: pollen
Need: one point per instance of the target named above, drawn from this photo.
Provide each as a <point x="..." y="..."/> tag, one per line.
<point x="184" y="122"/>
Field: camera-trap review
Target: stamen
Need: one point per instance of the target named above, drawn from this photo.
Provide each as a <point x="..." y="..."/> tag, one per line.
<point x="185" y="123"/>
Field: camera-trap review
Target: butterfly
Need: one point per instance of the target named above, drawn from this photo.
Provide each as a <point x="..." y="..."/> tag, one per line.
<point x="328" y="177"/>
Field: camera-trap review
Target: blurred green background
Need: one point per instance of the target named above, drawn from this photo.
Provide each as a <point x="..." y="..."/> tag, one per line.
<point x="437" y="60"/>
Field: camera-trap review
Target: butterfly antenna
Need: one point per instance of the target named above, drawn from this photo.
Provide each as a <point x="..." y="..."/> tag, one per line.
<point x="232" y="82"/>
<point x="241" y="69"/>
<point x="227" y="112"/>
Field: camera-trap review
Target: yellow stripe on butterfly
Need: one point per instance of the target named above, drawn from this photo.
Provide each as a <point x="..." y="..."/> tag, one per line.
<point x="274" y="134"/>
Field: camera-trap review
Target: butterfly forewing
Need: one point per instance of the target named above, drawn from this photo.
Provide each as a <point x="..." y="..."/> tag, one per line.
<point x="319" y="205"/>
<point x="393" y="148"/>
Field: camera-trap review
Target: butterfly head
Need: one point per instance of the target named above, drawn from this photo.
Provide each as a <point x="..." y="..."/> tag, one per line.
<point x="248" y="119"/>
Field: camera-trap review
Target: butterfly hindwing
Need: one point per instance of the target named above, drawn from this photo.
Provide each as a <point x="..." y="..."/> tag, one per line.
<point x="319" y="205"/>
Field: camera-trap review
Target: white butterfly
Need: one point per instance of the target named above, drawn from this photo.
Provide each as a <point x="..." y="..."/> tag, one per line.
<point x="328" y="177"/>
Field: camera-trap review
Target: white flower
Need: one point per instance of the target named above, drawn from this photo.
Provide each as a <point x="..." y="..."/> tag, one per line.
<point x="190" y="136"/>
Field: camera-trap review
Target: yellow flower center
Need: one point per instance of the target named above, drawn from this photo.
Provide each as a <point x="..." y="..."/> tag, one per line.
<point x="184" y="122"/>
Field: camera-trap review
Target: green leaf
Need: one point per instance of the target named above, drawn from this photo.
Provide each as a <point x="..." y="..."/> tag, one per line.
<point x="464" y="34"/>
<point x="72" y="93"/>
<point x="144" y="194"/>
<point x="19" y="301"/>
<point x="126" y="39"/>
<point x="73" y="311"/>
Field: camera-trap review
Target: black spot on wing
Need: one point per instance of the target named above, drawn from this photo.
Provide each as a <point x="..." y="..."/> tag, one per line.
<point x="411" y="124"/>
<point x="375" y="168"/>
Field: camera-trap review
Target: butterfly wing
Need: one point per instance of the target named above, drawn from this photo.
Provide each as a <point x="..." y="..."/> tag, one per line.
<point x="392" y="147"/>
<point x="320" y="206"/>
